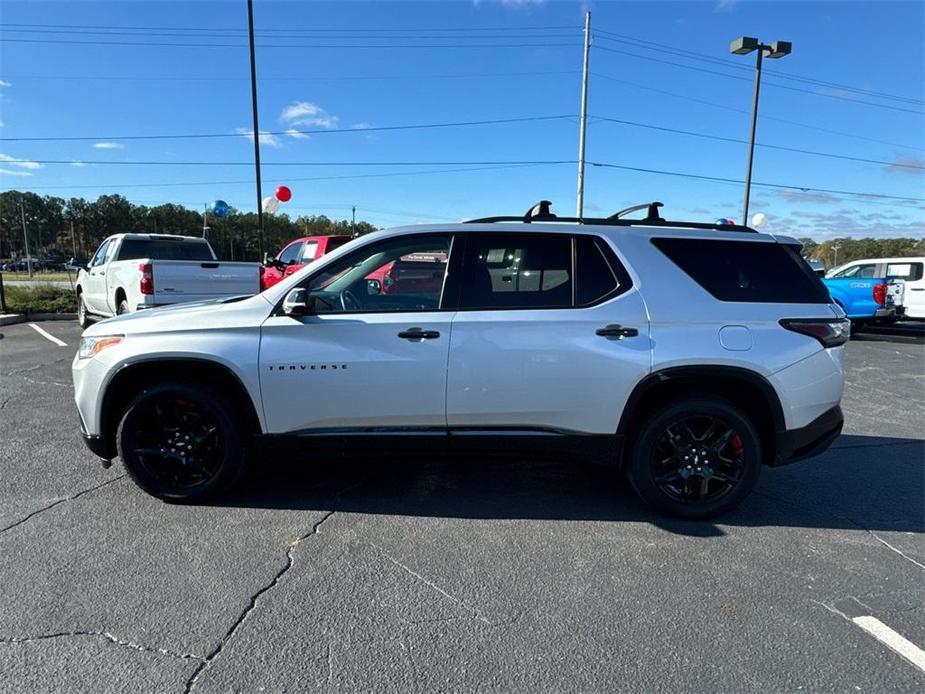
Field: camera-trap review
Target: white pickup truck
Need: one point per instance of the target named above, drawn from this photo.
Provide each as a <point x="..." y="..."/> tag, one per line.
<point x="130" y="272"/>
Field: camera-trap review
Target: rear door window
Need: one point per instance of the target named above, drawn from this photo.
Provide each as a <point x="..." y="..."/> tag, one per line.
<point x="307" y="254"/>
<point x="517" y="271"/>
<point x="596" y="277"/>
<point x="746" y="271"/>
<point x="904" y="271"/>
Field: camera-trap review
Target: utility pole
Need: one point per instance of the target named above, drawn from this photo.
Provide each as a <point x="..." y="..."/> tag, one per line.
<point x="73" y="239"/>
<point x="584" y="120"/>
<point x="353" y="221"/>
<point x="25" y="237"/>
<point x="250" y="31"/>
<point x="205" y="220"/>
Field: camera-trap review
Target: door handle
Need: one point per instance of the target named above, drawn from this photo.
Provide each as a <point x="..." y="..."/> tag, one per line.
<point x="616" y="330"/>
<point x="418" y="334"/>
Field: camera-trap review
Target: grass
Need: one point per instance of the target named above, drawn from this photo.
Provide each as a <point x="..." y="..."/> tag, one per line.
<point x="12" y="277"/>
<point x="39" y="298"/>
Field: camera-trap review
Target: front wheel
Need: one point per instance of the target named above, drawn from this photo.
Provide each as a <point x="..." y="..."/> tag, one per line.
<point x="696" y="458"/>
<point x="83" y="318"/>
<point x="182" y="443"/>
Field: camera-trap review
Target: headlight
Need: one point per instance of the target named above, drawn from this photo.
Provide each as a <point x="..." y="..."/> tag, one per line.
<point x="91" y="346"/>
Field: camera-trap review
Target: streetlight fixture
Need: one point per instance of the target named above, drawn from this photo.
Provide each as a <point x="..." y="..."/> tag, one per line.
<point x="743" y="46"/>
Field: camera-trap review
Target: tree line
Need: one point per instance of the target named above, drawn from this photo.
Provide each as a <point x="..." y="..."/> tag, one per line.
<point x="834" y="252"/>
<point x="58" y="228"/>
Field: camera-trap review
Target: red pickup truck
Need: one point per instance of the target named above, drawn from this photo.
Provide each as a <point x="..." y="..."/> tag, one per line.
<point x="297" y="255"/>
<point x="411" y="274"/>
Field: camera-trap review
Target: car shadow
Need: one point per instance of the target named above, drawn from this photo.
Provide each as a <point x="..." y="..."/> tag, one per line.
<point x="862" y="482"/>
<point x="905" y="332"/>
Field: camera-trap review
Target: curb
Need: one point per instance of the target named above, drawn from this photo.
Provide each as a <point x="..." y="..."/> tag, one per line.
<point x="14" y="318"/>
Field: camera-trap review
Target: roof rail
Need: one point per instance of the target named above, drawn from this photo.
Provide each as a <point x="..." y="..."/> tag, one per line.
<point x="541" y="212"/>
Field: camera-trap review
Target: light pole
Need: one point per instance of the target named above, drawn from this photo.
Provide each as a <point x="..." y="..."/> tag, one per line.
<point x="250" y="34"/>
<point x="743" y="46"/>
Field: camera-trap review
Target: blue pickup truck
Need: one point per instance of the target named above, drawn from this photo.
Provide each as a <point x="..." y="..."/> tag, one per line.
<point x="864" y="296"/>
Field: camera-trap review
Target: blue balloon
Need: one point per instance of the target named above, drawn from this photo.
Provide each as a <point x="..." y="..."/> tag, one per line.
<point x="220" y="209"/>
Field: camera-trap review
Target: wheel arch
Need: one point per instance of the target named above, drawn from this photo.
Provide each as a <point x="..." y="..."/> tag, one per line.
<point x="133" y="378"/>
<point x="748" y="390"/>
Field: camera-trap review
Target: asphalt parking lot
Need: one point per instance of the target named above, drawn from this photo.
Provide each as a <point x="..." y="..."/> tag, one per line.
<point x="458" y="575"/>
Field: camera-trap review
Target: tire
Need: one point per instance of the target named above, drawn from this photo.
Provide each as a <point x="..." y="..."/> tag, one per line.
<point x="183" y="443"/>
<point x="83" y="318"/>
<point x="122" y="307"/>
<point x="722" y="464"/>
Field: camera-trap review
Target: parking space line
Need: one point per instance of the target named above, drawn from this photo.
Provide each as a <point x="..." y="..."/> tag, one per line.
<point x="893" y="640"/>
<point x="43" y="333"/>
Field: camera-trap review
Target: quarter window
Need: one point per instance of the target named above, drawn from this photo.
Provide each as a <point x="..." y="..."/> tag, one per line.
<point x="595" y="280"/>
<point x="517" y="271"/>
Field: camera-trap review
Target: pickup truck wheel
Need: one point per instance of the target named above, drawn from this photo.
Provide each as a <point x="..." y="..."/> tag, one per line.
<point x="83" y="318"/>
<point x="122" y="307"/>
<point x="695" y="458"/>
<point x="182" y="443"/>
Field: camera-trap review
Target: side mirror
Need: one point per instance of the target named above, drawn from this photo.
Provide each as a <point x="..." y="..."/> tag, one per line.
<point x="266" y="257"/>
<point x="373" y="287"/>
<point x="296" y="303"/>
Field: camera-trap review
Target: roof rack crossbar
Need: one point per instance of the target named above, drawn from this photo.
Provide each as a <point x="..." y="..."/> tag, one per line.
<point x="541" y="212"/>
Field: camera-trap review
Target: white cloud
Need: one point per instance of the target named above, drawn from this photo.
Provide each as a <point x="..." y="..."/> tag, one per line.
<point x="296" y="135"/>
<point x="108" y="145"/>
<point x="266" y="138"/>
<point x="305" y="113"/>
<point x="20" y="163"/>
<point x="4" y="83"/>
<point x="299" y="109"/>
<point x="10" y="172"/>
<point x="361" y="126"/>
<point x="1" y="123"/>
<point x="78" y="164"/>
<point x="907" y="164"/>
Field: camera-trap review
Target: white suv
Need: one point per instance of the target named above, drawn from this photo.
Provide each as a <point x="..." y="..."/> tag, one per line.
<point x="689" y="354"/>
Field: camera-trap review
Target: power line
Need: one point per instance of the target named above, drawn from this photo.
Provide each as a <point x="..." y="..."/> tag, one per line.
<point x="782" y="186"/>
<point x="234" y="35"/>
<point x="213" y="182"/>
<point x="742" y="110"/>
<point x="98" y="162"/>
<point x="765" y="82"/>
<point x="290" y="131"/>
<point x="292" y="78"/>
<point x="198" y="30"/>
<point x="725" y="62"/>
<point x="759" y="144"/>
<point x="136" y="44"/>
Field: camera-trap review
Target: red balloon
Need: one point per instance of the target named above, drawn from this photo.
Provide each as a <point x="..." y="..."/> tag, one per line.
<point x="283" y="194"/>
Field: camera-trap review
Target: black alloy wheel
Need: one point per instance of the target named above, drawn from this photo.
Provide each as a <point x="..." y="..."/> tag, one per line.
<point x="696" y="458"/>
<point x="181" y="443"/>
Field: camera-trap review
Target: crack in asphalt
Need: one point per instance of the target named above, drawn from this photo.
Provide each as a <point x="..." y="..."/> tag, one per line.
<point x="104" y="635"/>
<point x="255" y="598"/>
<point x="478" y="615"/>
<point x="848" y="519"/>
<point x="61" y="501"/>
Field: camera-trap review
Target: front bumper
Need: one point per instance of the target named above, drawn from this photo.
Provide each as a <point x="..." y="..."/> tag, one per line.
<point x="811" y="440"/>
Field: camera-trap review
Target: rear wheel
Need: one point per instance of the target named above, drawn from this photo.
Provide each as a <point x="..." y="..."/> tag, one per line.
<point x="695" y="458"/>
<point x="122" y="306"/>
<point x="182" y="443"/>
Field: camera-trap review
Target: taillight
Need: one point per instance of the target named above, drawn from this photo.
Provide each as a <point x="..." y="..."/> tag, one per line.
<point x="147" y="278"/>
<point x="880" y="293"/>
<point x="831" y="332"/>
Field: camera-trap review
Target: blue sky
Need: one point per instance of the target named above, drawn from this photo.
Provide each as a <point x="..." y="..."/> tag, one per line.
<point x="355" y="66"/>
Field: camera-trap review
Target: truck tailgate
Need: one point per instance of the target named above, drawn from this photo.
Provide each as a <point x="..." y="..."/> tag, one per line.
<point x="194" y="280"/>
